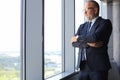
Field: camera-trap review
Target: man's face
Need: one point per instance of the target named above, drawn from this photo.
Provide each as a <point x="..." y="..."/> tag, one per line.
<point x="89" y="11"/>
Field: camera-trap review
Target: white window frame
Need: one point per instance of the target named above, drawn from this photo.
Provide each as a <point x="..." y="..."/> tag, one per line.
<point x="32" y="39"/>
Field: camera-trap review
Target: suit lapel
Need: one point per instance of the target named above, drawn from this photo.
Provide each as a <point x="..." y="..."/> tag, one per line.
<point x="95" y="25"/>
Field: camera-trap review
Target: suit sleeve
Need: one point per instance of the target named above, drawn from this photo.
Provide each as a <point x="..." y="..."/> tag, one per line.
<point x="80" y="43"/>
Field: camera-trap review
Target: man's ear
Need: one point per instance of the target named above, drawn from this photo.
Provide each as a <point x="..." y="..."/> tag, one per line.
<point x="96" y="10"/>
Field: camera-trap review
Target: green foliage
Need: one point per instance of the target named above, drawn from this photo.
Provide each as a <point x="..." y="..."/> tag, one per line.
<point x="9" y="68"/>
<point x="50" y="71"/>
<point x="9" y="75"/>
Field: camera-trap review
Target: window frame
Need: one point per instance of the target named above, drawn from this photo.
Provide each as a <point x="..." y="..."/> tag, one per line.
<point x="68" y="30"/>
<point x="32" y="47"/>
<point x="32" y="40"/>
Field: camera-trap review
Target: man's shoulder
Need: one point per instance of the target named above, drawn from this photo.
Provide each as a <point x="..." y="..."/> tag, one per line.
<point x="82" y="25"/>
<point x="103" y="20"/>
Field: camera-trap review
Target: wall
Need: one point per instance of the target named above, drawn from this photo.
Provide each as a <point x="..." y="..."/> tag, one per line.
<point x="116" y="32"/>
<point x="111" y="10"/>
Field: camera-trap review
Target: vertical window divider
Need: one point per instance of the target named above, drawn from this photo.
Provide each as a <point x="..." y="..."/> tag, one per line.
<point x="23" y="39"/>
<point x="63" y="35"/>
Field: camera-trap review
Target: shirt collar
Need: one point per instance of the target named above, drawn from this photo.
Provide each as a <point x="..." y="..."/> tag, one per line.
<point x="93" y="20"/>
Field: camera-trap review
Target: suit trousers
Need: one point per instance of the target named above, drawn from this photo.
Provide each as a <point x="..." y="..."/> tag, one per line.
<point x="87" y="74"/>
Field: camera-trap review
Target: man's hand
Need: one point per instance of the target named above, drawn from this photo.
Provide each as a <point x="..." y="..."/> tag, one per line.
<point x="96" y="44"/>
<point x="74" y="39"/>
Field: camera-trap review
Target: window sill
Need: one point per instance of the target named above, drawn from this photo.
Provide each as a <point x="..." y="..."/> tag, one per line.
<point x="113" y="74"/>
<point x="61" y="76"/>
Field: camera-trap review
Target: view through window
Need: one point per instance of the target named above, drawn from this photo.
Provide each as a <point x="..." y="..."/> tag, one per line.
<point x="52" y="37"/>
<point x="10" y="40"/>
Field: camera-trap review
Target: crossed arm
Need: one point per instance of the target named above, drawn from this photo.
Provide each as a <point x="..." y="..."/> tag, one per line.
<point x="94" y="44"/>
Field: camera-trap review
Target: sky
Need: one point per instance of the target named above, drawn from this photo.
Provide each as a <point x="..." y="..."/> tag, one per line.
<point x="9" y="25"/>
<point x="53" y="25"/>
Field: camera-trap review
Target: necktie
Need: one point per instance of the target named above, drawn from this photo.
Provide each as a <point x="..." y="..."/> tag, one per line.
<point x="83" y="54"/>
<point x="88" y="27"/>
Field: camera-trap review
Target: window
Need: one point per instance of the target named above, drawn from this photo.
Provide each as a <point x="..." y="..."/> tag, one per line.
<point x="10" y="40"/>
<point x="52" y="38"/>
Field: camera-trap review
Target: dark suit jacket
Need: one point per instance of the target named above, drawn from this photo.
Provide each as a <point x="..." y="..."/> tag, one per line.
<point x="97" y="58"/>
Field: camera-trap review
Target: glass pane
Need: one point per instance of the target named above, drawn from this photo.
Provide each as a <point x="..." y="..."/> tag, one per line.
<point x="10" y="40"/>
<point x="52" y="35"/>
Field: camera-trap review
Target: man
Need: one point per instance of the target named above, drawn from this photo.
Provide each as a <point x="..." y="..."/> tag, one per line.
<point x="92" y="40"/>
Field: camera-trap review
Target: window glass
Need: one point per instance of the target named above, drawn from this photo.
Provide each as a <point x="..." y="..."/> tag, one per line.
<point x="52" y="38"/>
<point x="10" y="40"/>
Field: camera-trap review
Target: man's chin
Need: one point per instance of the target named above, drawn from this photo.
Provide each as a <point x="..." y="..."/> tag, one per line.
<point x="88" y="18"/>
